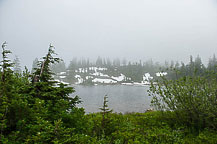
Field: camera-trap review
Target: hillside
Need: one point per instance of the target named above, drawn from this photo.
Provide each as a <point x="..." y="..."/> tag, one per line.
<point x="102" y="75"/>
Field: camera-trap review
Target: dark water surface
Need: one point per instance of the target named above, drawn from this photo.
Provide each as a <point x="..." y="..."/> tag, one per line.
<point x="121" y="98"/>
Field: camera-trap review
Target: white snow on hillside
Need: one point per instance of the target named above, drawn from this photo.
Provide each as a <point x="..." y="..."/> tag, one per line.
<point x="120" y="78"/>
<point x="97" y="69"/>
<point x="77" y="76"/>
<point x="102" y="69"/>
<point x="65" y="83"/>
<point x="62" y="73"/>
<point x="126" y="83"/>
<point x="99" y="74"/>
<point x="61" y="82"/>
<point x="147" y="77"/>
<point x="106" y="81"/>
<point x="89" y="77"/>
<point x="62" y="77"/>
<point x="81" y="70"/>
<point x="145" y="83"/>
<point x="161" y="74"/>
<point x="80" y="80"/>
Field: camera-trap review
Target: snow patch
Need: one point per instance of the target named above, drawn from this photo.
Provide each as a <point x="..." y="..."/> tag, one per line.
<point x="126" y="83"/>
<point x="161" y="74"/>
<point x="62" y="77"/>
<point x="62" y="73"/>
<point x="99" y="74"/>
<point x="147" y="77"/>
<point x="80" y="80"/>
<point x="96" y="69"/>
<point x="120" y="78"/>
<point x="61" y="82"/>
<point x="107" y="81"/>
<point x="77" y="76"/>
<point x="89" y="77"/>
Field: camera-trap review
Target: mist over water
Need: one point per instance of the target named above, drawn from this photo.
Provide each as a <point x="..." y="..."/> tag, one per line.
<point x="121" y="98"/>
<point x="142" y="29"/>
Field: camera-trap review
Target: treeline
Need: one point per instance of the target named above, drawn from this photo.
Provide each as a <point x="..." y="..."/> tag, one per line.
<point x="194" y="67"/>
<point x="134" y="71"/>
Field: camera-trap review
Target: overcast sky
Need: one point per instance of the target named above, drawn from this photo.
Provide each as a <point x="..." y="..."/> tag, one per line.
<point x="131" y="29"/>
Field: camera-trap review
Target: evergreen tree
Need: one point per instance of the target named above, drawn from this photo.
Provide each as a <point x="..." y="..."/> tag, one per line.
<point x="108" y="62"/>
<point x="212" y="64"/>
<point x="34" y="108"/>
<point x="16" y="66"/>
<point x="124" y="62"/>
<point x="105" y="111"/>
<point x="34" y="65"/>
<point x="73" y="64"/>
<point x="99" y="62"/>
<point x="177" y="65"/>
<point x="117" y="62"/>
<point x="10" y="100"/>
<point x="84" y="62"/>
<point x="190" y="66"/>
<point x="198" y="65"/>
<point x="5" y="89"/>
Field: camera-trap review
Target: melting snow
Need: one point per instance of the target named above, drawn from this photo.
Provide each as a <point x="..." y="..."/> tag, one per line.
<point x="120" y="78"/>
<point x="147" y="77"/>
<point x="99" y="74"/>
<point x="61" y="82"/>
<point x="126" y="83"/>
<point x="62" y="73"/>
<point x="77" y="76"/>
<point x="96" y="68"/>
<point x="104" y="80"/>
<point x="161" y="74"/>
<point x="62" y="77"/>
<point x="101" y="69"/>
<point x="80" y="80"/>
<point x="87" y="77"/>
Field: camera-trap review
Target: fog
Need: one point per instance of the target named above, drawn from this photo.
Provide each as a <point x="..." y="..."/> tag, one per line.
<point x="131" y="29"/>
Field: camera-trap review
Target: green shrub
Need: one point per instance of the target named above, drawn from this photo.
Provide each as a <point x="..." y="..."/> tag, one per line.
<point x="192" y="99"/>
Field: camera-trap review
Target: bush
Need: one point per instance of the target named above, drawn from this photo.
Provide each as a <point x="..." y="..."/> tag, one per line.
<point x="192" y="99"/>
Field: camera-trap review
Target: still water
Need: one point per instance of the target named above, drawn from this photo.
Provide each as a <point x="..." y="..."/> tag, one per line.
<point x="122" y="98"/>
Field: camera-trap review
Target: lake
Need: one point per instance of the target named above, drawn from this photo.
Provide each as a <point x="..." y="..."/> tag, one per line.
<point x="122" y="98"/>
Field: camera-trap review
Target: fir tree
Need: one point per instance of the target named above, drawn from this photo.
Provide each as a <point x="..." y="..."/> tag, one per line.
<point x="6" y="89"/>
<point x="105" y="111"/>
<point x="34" y="65"/>
<point x="17" y="67"/>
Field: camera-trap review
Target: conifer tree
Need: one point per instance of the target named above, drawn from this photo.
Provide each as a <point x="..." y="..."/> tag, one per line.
<point x="52" y="109"/>
<point x="17" y="67"/>
<point x="6" y="93"/>
<point x="54" y="94"/>
<point x="43" y="73"/>
<point x="105" y="111"/>
<point x="34" y="65"/>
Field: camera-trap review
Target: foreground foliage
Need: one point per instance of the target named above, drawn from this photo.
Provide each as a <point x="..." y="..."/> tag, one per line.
<point x="36" y="109"/>
<point x="150" y="127"/>
<point x="193" y="99"/>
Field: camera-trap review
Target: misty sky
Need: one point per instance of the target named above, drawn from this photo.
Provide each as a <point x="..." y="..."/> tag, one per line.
<point x="131" y="29"/>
